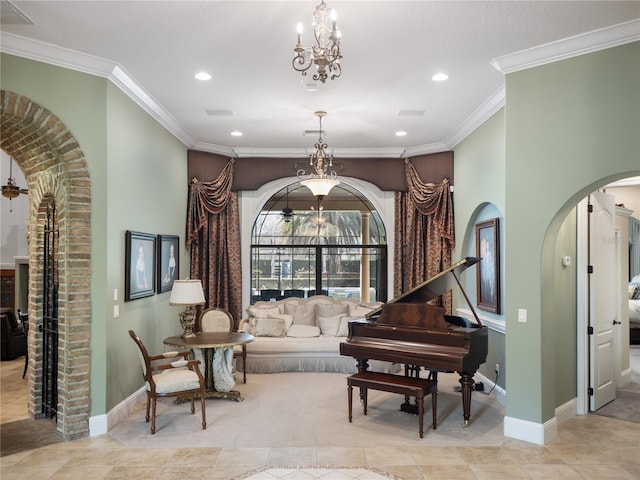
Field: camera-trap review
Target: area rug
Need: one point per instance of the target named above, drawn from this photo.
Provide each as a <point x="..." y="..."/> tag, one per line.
<point x="310" y="410"/>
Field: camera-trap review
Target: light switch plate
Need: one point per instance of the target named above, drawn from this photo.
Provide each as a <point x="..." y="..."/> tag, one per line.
<point x="522" y="315"/>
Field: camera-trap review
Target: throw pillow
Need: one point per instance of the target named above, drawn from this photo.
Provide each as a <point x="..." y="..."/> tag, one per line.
<point x="343" y="329"/>
<point x="302" y="314"/>
<point x="263" y="312"/>
<point x="328" y="317"/>
<point x="250" y="325"/>
<point x="303" y="331"/>
<point x="269" y="327"/>
<point x="359" y="310"/>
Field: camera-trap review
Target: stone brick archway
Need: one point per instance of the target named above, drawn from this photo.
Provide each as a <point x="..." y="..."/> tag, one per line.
<point x="54" y="167"/>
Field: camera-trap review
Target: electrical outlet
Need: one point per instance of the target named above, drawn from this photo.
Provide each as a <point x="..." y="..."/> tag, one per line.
<point x="497" y="369"/>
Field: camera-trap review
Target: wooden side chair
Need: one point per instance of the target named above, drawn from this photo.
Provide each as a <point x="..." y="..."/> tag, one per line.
<point x="220" y="320"/>
<point x="178" y="378"/>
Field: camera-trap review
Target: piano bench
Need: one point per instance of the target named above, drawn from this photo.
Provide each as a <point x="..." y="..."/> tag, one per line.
<point x="408" y="386"/>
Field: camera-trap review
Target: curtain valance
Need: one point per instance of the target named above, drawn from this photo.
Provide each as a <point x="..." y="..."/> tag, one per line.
<point x="432" y="199"/>
<point x="207" y="198"/>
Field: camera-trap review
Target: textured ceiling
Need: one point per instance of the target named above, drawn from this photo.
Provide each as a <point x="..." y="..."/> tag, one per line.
<point x="391" y="49"/>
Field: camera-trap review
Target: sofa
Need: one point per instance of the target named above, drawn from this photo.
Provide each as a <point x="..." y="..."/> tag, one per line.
<point x="303" y="335"/>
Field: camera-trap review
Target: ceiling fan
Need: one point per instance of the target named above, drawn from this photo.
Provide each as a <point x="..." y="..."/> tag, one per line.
<point x="287" y="213"/>
<point x="11" y="190"/>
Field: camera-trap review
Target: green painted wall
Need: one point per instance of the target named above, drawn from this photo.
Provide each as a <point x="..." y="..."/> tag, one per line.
<point x="559" y="309"/>
<point x="147" y="192"/>
<point x="479" y="166"/>
<point x="571" y="127"/>
<point x="133" y="164"/>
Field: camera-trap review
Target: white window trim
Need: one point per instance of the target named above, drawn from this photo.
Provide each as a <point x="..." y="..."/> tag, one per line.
<point x="251" y="203"/>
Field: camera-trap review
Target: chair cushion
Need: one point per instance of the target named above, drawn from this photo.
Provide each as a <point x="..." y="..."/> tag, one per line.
<point x="171" y="381"/>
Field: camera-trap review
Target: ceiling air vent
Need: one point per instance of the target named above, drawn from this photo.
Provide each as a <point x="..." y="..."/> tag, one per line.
<point x="219" y="113"/>
<point x="411" y="113"/>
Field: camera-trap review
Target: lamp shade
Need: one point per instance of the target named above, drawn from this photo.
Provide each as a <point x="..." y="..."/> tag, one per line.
<point x="187" y="292"/>
<point x="320" y="187"/>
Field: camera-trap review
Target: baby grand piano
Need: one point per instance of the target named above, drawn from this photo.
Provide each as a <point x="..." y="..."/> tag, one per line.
<point x="407" y="330"/>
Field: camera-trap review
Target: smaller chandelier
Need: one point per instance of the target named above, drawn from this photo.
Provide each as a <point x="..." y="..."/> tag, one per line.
<point x="321" y="180"/>
<point x="325" y="54"/>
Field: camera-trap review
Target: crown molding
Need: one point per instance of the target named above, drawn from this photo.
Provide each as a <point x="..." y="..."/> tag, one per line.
<point x="425" y="149"/>
<point x="249" y="152"/>
<point x="214" y="148"/>
<point x="135" y="92"/>
<point x="562" y="49"/>
<point x="488" y="108"/>
<point x="92" y="65"/>
<point x="584" y="43"/>
<point x="385" y="152"/>
<point x="54" y="55"/>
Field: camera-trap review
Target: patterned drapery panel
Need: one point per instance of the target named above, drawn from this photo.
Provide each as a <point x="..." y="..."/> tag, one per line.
<point x="213" y="239"/>
<point x="424" y="232"/>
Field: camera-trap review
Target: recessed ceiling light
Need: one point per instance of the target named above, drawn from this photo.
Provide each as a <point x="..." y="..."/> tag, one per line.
<point x="440" y="77"/>
<point x="236" y="133"/>
<point x="401" y="133"/>
<point x="202" y="76"/>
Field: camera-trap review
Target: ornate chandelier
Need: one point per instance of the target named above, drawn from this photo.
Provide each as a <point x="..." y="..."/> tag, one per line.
<point x="321" y="180"/>
<point x="325" y="54"/>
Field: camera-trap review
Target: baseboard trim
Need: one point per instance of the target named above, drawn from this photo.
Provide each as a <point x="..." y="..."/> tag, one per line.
<point x="566" y="411"/>
<point x="101" y="424"/>
<point x="532" y="432"/>
<point x="625" y="378"/>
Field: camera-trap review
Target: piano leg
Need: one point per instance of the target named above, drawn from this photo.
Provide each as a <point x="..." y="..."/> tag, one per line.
<point x="363" y="366"/>
<point x="466" y="381"/>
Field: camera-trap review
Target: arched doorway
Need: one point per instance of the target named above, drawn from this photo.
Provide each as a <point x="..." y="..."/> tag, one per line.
<point x="56" y="171"/>
<point x="565" y="294"/>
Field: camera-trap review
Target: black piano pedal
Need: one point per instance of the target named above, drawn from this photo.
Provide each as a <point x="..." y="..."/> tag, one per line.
<point x="412" y="371"/>
<point x="409" y="407"/>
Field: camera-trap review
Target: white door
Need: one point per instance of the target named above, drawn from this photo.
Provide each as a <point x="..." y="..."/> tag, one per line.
<point x="602" y="300"/>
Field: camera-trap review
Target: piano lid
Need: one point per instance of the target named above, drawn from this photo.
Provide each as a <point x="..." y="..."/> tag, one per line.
<point x="437" y="285"/>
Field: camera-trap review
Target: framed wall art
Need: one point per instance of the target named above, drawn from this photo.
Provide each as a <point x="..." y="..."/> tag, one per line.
<point x="140" y="265"/>
<point x="488" y="269"/>
<point x="168" y="262"/>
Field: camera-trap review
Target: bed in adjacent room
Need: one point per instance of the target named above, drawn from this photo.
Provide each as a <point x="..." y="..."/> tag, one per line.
<point x="634" y="312"/>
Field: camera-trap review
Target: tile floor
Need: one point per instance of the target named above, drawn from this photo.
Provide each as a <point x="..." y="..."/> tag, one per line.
<point x="588" y="447"/>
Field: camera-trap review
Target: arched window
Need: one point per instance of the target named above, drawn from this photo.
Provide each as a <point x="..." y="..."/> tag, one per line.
<point x="303" y="245"/>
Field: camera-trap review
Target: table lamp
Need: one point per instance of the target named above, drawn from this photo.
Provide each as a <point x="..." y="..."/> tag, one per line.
<point x="189" y="293"/>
